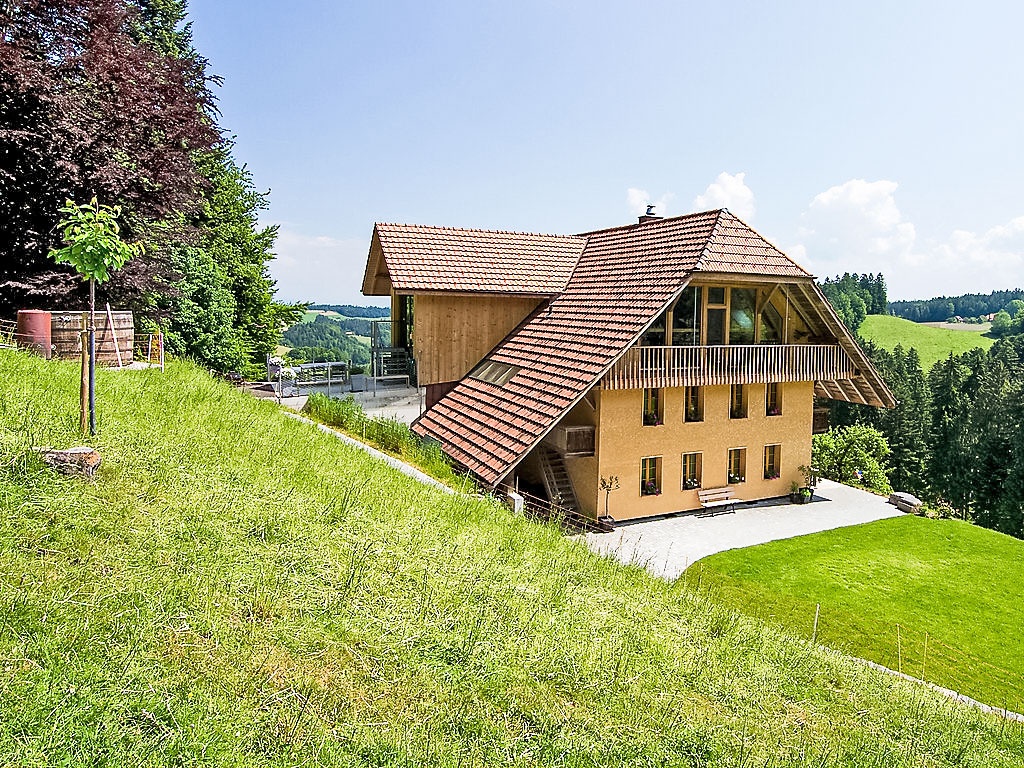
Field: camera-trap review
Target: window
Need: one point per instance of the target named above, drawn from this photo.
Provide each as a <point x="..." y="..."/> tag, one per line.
<point x="738" y="401"/>
<point x="694" y="404"/>
<point x="404" y="322"/>
<point x="773" y="399"/>
<point x="653" y="408"/>
<point x="771" y="325"/>
<point x="650" y="476"/>
<point x="742" y="311"/>
<point x="494" y="372"/>
<point x="772" y="462"/>
<point x="737" y="465"/>
<point x="716" y="317"/>
<point x="655" y="335"/>
<point x="686" y="316"/>
<point x="691" y="471"/>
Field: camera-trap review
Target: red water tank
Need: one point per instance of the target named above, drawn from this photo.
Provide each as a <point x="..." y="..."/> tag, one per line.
<point x="33" y="331"/>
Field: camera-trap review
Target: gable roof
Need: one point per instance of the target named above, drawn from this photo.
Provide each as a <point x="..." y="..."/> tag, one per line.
<point x="406" y="257"/>
<point x="624" y="278"/>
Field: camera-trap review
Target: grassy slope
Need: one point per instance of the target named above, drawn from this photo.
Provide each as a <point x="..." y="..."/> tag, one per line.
<point x="955" y="581"/>
<point x="236" y="588"/>
<point x="932" y="343"/>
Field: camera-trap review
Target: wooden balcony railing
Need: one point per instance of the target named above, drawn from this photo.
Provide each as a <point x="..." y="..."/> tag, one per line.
<point x="644" y="367"/>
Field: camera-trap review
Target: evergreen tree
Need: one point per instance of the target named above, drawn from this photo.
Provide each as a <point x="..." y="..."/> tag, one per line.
<point x="906" y="426"/>
<point x="950" y="473"/>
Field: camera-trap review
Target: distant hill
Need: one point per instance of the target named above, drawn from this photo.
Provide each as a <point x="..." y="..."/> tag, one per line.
<point x="942" y="308"/>
<point x="932" y="344"/>
<point x="351" y="310"/>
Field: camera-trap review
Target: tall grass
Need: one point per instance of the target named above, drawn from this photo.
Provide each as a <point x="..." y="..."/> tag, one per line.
<point x="390" y="435"/>
<point x="236" y="588"/>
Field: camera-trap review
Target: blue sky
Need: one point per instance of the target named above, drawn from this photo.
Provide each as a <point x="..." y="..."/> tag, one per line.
<point x="872" y="137"/>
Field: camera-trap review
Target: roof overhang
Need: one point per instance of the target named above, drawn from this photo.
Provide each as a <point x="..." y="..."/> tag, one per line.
<point x="376" y="278"/>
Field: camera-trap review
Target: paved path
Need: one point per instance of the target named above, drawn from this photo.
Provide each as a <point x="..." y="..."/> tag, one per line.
<point x="666" y="547"/>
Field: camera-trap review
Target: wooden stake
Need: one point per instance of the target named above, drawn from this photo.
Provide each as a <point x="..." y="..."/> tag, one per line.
<point x="924" y="664"/>
<point x="899" y="650"/>
<point x="817" y="611"/>
<point x="113" y="335"/>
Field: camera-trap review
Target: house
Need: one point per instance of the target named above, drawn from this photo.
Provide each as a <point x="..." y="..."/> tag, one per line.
<point x="674" y="354"/>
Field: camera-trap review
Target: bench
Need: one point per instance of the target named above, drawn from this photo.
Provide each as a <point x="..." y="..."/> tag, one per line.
<point x="716" y="498"/>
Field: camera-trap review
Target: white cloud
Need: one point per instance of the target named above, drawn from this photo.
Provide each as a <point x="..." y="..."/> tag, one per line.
<point x="728" y="191"/>
<point x="639" y="199"/>
<point x="320" y="268"/>
<point x="857" y="226"/>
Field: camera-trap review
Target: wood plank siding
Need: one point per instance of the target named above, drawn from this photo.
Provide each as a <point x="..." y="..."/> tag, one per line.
<point x="642" y="367"/>
<point x="452" y="333"/>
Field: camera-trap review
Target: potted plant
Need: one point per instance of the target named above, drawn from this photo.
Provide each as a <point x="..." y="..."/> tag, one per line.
<point x="794" y="493"/>
<point x="810" y="482"/>
<point x="736" y="478"/>
<point x="651" y="489"/>
<point x="691" y="483"/>
<point x="651" y="419"/>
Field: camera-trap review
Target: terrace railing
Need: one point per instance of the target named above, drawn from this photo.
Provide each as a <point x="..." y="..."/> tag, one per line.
<point x="643" y="367"/>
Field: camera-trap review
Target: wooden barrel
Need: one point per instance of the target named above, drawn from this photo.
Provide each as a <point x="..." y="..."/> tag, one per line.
<point x="66" y="335"/>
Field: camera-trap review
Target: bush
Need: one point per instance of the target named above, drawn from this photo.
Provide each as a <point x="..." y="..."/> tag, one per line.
<point x="853" y="455"/>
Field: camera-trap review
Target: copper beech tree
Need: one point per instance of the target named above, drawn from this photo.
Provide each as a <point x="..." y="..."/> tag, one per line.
<point x="89" y="109"/>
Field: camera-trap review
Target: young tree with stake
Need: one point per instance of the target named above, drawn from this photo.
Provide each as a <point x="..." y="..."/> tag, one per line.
<point x="95" y="249"/>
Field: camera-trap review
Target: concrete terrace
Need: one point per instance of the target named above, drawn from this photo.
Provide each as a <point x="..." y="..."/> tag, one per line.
<point x="668" y="546"/>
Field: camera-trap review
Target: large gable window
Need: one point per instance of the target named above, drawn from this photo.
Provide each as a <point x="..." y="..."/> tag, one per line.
<point x="686" y="316"/>
<point x="494" y="372"/>
<point x="742" y="313"/>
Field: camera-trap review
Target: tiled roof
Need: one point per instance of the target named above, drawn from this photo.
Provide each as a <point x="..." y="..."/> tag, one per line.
<point x="446" y="259"/>
<point x="624" y="278"/>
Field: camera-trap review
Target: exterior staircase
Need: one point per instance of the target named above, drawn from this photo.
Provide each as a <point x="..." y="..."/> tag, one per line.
<point x="556" y="481"/>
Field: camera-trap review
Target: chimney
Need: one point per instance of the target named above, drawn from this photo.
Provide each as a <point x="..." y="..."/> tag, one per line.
<point x="650" y="215"/>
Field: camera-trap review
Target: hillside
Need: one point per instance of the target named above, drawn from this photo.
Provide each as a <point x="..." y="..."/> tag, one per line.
<point x="931" y="343"/>
<point x="923" y="575"/>
<point x="236" y="588"/>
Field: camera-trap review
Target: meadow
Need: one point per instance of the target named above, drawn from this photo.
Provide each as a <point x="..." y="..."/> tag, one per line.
<point x="236" y="588"/>
<point x="932" y="344"/>
<point x="950" y="587"/>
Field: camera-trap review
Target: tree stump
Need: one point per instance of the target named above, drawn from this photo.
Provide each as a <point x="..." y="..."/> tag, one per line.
<point x="82" y="460"/>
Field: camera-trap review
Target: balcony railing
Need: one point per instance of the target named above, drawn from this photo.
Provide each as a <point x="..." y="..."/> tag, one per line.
<point x="644" y="367"/>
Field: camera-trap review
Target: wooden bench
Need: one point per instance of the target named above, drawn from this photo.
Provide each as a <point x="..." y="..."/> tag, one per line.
<point x="716" y="498"/>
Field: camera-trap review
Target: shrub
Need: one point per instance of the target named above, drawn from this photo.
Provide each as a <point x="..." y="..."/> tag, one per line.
<point x="853" y="455"/>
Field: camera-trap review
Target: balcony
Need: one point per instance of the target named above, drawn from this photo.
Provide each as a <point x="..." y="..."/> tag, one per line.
<point x="572" y="441"/>
<point x="644" y="367"/>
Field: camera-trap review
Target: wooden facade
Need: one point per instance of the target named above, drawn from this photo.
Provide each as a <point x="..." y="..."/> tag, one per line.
<point x="454" y="332"/>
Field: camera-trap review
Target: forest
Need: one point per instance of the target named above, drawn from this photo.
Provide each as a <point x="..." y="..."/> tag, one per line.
<point x="110" y="99"/>
<point x="955" y="438"/>
<point x="968" y="305"/>
<point x="854" y="297"/>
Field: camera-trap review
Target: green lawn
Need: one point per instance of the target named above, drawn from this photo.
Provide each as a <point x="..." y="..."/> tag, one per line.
<point x="931" y="343"/>
<point x="235" y="588"/>
<point x="958" y="583"/>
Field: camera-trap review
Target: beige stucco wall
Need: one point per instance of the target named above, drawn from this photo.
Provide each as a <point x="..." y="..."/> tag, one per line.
<point x="622" y="441"/>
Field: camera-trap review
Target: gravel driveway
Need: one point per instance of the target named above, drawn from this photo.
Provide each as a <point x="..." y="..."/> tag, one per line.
<point x="667" y="546"/>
